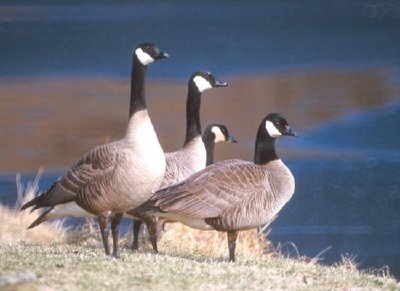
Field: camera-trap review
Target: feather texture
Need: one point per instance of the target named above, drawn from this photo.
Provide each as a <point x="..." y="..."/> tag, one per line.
<point x="184" y="162"/>
<point x="231" y="194"/>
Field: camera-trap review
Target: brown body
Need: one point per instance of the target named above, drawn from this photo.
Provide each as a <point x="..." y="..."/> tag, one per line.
<point x="112" y="178"/>
<point x="228" y="195"/>
<point x="232" y="195"/>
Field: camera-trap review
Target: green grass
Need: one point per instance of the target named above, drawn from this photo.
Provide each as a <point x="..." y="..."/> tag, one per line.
<point x="85" y="268"/>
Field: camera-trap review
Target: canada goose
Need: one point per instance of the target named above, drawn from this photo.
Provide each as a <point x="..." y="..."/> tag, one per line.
<point x="232" y="195"/>
<point x="188" y="159"/>
<point x="213" y="134"/>
<point x="113" y="178"/>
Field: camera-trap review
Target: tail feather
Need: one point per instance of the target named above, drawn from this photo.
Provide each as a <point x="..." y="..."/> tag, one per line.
<point x="147" y="207"/>
<point x="51" y="197"/>
<point x="41" y="218"/>
<point x="34" y="202"/>
<point x="155" y="203"/>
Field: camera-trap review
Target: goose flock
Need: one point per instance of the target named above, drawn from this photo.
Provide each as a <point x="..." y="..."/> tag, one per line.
<point x="134" y="177"/>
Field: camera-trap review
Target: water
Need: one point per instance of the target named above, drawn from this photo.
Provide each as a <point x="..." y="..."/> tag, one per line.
<point x="347" y="198"/>
<point x="225" y="37"/>
<point x="331" y="67"/>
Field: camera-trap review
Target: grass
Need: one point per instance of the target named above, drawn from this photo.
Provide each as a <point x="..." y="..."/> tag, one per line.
<point x="61" y="259"/>
<point x="78" y="267"/>
<point x="13" y="226"/>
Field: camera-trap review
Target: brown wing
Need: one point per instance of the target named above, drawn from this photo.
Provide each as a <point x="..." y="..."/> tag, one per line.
<point x="96" y="164"/>
<point x="211" y="191"/>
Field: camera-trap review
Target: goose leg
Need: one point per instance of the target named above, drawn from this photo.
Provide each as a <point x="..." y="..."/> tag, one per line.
<point x="136" y="224"/>
<point x="152" y="226"/>
<point x="232" y="236"/>
<point x="115" y="232"/>
<point x="104" y="233"/>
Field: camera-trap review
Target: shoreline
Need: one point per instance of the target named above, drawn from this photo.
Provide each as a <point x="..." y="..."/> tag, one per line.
<point x="36" y="133"/>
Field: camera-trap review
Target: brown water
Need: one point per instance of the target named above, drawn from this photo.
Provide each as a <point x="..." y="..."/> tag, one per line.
<point x="52" y="121"/>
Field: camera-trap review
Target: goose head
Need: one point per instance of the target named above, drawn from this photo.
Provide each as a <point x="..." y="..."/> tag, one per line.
<point x="148" y="53"/>
<point x="202" y="81"/>
<point x="220" y="133"/>
<point x="271" y="127"/>
<point x="275" y="125"/>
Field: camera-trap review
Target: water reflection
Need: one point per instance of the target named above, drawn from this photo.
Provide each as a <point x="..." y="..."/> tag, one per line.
<point x="51" y="121"/>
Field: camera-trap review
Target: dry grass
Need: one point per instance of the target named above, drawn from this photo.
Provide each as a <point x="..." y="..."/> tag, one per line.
<point x="185" y="240"/>
<point x="75" y="267"/>
<point x="181" y="240"/>
<point x="189" y="259"/>
<point x="14" y="223"/>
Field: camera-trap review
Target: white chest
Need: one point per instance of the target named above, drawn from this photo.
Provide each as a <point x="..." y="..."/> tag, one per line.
<point x="144" y="160"/>
<point x="194" y="155"/>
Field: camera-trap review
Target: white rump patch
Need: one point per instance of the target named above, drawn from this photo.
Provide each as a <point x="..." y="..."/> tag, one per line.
<point x="198" y="223"/>
<point x="68" y="209"/>
<point x="201" y="83"/>
<point x="272" y="130"/>
<point x="219" y="136"/>
<point x="143" y="57"/>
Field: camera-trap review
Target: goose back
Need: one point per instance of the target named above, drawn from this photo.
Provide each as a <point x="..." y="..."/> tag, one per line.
<point x="232" y="194"/>
<point x="260" y="207"/>
<point x="184" y="162"/>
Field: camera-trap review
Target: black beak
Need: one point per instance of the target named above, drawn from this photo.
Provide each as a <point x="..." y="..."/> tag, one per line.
<point x="289" y="131"/>
<point x="231" y="139"/>
<point x="162" y="55"/>
<point x="220" y="84"/>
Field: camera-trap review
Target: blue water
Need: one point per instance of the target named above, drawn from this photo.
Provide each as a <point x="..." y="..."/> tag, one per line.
<point x="225" y="37"/>
<point x="347" y="198"/>
<point x="348" y="194"/>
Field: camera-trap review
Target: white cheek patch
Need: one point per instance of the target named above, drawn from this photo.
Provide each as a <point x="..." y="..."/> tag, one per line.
<point x="272" y="130"/>
<point x="219" y="136"/>
<point x="201" y="83"/>
<point x="143" y="57"/>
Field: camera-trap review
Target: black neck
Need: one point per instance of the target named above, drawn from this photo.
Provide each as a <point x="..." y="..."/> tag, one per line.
<point x="138" y="101"/>
<point x="209" y="142"/>
<point x="193" y="128"/>
<point x="265" y="147"/>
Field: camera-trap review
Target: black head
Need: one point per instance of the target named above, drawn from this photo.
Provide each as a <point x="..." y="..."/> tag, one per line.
<point x="275" y="125"/>
<point x="148" y="53"/>
<point x="205" y="80"/>
<point x="220" y="133"/>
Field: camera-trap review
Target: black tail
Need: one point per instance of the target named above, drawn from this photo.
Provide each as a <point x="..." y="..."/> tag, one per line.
<point x="34" y="202"/>
<point x="153" y="204"/>
<point x="147" y="207"/>
<point x="41" y="218"/>
<point x="44" y="199"/>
